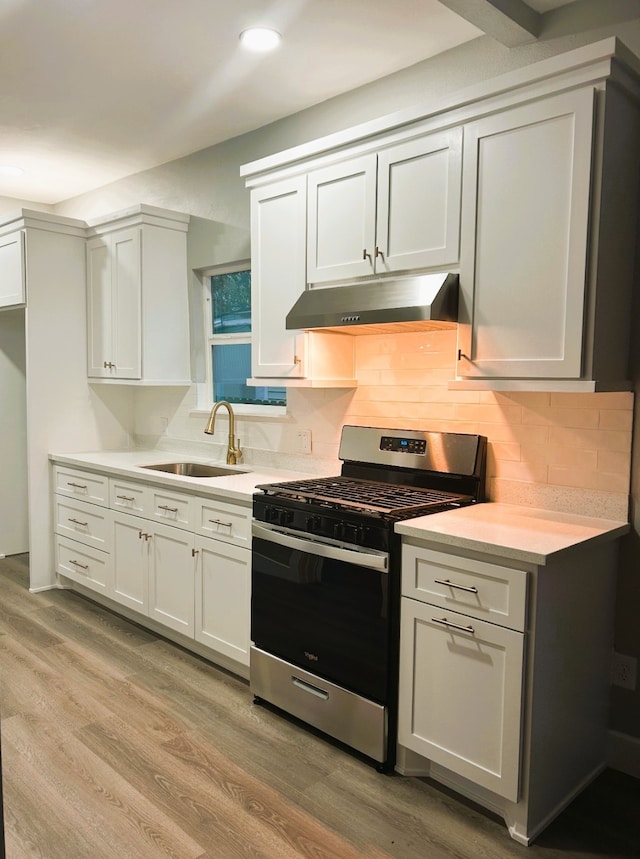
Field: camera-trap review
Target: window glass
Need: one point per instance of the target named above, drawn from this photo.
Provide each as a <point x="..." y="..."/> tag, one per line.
<point x="231" y="302"/>
<point x="229" y="325"/>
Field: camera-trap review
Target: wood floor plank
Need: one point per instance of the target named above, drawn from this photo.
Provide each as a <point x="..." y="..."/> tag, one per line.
<point x="236" y="809"/>
<point x="30" y="686"/>
<point x="93" y="802"/>
<point x="116" y="742"/>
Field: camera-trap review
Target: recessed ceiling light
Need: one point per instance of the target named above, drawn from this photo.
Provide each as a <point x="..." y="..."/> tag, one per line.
<point x="10" y="170"/>
<point x="260" y="38"/>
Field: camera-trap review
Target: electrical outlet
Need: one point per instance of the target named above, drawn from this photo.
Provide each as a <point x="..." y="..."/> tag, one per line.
<point x="624" y="671"/>
<point x="303" y="441"/>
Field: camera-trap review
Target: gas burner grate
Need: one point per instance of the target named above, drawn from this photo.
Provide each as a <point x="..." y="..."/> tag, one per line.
<point x="363" y="494"/>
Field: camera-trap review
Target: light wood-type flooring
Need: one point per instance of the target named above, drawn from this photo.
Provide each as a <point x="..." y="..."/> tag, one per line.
<point x="117" y="743"/>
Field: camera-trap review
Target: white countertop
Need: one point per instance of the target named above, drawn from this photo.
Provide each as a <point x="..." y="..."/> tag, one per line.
<point x="518" y="533"/>
<point x="506" y="530"/>
<point x="128" y="463"/>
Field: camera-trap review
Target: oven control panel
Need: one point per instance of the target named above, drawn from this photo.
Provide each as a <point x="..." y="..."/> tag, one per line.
<point x="401" y="444"/>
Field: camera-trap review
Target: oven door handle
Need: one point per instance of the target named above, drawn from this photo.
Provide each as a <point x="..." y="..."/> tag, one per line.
<point x="359" y="557"/>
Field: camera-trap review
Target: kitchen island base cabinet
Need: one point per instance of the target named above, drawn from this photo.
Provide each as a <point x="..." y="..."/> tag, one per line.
<point x="522" y="750"/>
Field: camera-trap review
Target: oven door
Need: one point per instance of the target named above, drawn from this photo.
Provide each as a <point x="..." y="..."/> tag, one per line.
<point x="324" y="607"/>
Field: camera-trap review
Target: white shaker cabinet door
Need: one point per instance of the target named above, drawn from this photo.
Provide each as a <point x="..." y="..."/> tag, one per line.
<point x="525" y="221"/>
<point x="223" y="598"/>
<point x="278" y="229"/>
<point x="460" y="698"/>
<point x="418" y="212"/>
<point x="342" y="220"/>
<point x="172" y="578"/>
<point x="113" y="305"/>
<point x="12" y="270"/>
<point x="131" y="537"/>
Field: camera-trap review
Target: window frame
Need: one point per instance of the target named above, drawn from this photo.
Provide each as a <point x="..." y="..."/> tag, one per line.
<point x="210" y="339"/>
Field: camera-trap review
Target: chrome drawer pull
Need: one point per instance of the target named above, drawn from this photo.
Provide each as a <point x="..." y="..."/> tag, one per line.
<point x="77" y="485"/>
<point x="78" y="564"/>
<point x="470" y="589"/>
<point x="76" y="522"/>
<point x="168" y="509"/>
<point x="450" y="625"/>
<point x="125" y="497"/>
<point x="220" y="522"/>
<point x="312" y="690"/>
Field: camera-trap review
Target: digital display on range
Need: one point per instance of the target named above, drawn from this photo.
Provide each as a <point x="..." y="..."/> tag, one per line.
<point x="398" y="444"/>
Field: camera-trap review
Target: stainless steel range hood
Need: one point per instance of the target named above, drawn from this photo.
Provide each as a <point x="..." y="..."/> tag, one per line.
<point x="403" y="303"/>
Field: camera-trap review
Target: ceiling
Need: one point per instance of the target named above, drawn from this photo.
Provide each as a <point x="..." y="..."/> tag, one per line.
<point x="94" y="90"/>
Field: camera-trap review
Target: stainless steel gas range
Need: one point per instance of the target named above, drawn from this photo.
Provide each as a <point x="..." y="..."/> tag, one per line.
<point x="326" y="578"/>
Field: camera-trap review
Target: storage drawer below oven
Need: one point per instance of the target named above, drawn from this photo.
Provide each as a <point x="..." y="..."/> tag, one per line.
<point x="345" y="716"/>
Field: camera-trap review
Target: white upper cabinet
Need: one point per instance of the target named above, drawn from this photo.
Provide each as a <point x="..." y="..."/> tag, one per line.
<point x="12" y="270"/>
<point x="137" y="298"/>
<point x="278" y="242"/>
<point x="394" y="210"/>
<point x="525" y="184"/>
<point x="525" y="216"/>
<point x="278" y="217"/>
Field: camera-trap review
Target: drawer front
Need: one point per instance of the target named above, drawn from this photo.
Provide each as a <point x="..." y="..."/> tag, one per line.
<point x="85" y="565"/>
<point x="84" y="485"/>
<point x="482" y="590"/>
<point x="129" y="497"/>
<point x="86" y="523"/>
<point x="228" y="522"/>
<point x="171" y="507"/>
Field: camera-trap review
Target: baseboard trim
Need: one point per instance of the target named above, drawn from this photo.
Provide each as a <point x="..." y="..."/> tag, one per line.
<point x="623" y="753"/>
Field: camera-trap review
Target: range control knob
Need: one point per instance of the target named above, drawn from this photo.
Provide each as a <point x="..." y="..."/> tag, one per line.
<point x="338" y="530"/>
<point x="312" y="524"/>
<point x="353" y="533"/>
<point x="285" y="517"/>
<point x="271" y="514"/>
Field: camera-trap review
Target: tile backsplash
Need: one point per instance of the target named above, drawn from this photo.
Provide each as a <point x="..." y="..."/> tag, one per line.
<point x="553" y="450"/>
<point x="563" y="452"/>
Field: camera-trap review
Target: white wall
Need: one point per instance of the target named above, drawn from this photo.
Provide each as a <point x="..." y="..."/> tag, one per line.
<point x="14" y="525"/>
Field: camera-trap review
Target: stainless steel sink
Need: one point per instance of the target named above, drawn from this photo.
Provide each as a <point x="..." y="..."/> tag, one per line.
<point x="193" y="469"/>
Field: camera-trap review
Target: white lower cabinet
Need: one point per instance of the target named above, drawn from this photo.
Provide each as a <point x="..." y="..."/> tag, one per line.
<point x="154" y="571"/>
<point x="461" y="665"/>
<point x="179" y="559"/>
<point x="223" y="597"/>
<point x="461" y="692"/>
<point x="504" y="675"/>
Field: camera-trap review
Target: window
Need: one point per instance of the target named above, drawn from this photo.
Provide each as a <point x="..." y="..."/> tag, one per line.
<point x="228" y="314"/>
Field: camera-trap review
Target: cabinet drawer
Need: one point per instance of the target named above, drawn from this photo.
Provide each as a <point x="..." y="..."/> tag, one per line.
<point x="171" y="507"/>
<point x="132" y="497"/>
<point x="88" y="566"/>
<point x="81" y="484"/>
<point x="228" y="522"/>
<point x="87" y="523"/>
<point x="486" y="591"/>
